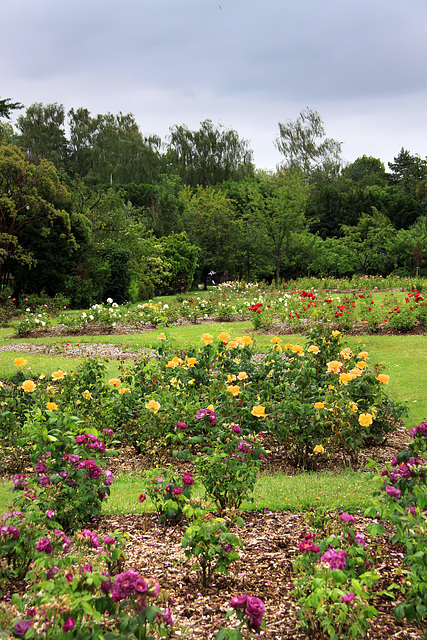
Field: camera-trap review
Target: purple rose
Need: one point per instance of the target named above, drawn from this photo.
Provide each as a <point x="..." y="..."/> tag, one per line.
<point x="108" y="432"/>
<point x="346" y="517"/>
<point x="124" y="585"/>
<point x="176" y="491"/>
<point x="201" y="414"/>
<point x="187" y="480"/>
<point x="81" y="439"/>
<point x="236" y="428"/>
<point x="68" y="624"/>
<point x="44" y="546"/>
<point x="10" y="530"/>
<point x="254" y="609"/>
<point x="166" y="617"/>
<point x="142" y="497"/>
<point x="140" y="586"/>
<point x="22" y="626"/>
<point x="308" y="545"/>
<point x="348" y="597"/>
<point x="238" y="602"/>
<point x="101" y="494"/>
<point x="335" y="558"/>
<point x="393" y="492"/>
<point x="181" y="426"/>
<point x="109" y="478"/>
<point x="106" y="587"/>
<point x="360" y="539"/>
<point x="44" y="481"/>
<point x="420" y="430"/>
<point x="40" y="467"/>
<point x="50" y="513"/>
<point x="52" y="571"/>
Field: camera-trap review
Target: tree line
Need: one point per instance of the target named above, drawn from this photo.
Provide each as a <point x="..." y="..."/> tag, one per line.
<point x="92" y="208"/>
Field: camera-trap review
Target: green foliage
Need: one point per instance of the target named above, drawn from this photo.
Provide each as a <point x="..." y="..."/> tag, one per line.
<point x="210" y="542"/>
<point x="229" y="469"/>
<point x="168" y="493"/>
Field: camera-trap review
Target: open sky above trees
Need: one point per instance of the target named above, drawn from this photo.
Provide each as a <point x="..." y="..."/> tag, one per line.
<point x="244" y="63"/>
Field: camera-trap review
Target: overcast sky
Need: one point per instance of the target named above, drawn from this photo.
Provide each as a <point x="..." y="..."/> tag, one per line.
<point x="247" y="64"/>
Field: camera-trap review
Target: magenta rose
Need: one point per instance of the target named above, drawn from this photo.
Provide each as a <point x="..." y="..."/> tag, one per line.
<point x="346" y="517"/>
<point x="142" y="497"/>
<point x="255" y="609"/>
<point x="348" y="597"/>
<point x="393" y="492"/>
<point x="238" y="602"/>
<point x="176" y="491"/>
<point x="181" y="426"/>
<point x="187" y="480"/>
<point x="22" y="626"/>
<point x="68" y="624"/>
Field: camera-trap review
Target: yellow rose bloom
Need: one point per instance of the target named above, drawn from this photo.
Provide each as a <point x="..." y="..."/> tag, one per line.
<point x="52" y="406"/>
<point x="258" y="411"/>
<point x="232" y="344"/>
<point x="331" y="387"/>
<point x="19" y="362"/>
<point x="313" y="349"/>
<point x="346" y="353"/>
<point x="161" y="336"/>
<point x="361" y="365"/>
<point x="28" y="386"/>
<point x="318" y="449"/>
<point x="87" y="395"/>
<point x="356" y="372"/>
<point x="336" y="333"/>
<point x="352" y="407"/>
<point x="58" y="375"/>
<point x="362" y="355"/>
<point x="319" y="405"/>
<point x="242" y="375"/>
<point x="224" y="336"/>
<point x="345" y="378"/>
<point x="231" y="377"/>
<point x="206" y="338"/>
<point x="276" y="340"/>
<point x="191" y="361"/>
<point x="334" y="366"/>
<point x="365" y="419"/>
<point x="210" y="407"/>
<point x="298" y="350"/>
<point x="288" y="346"/>
<point x="247" y="340"/>
<point x="153" y="406"/>
<point x="115" y="382"/>
<point x="383" y="378"/>
<point x="234" y="390"/>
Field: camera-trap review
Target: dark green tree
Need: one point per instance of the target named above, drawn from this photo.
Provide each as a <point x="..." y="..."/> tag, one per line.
<point x="42" y="134"/>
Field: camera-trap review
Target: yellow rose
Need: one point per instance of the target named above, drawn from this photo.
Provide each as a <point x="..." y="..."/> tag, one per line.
<point x="191" y="361"/>
<point x="115" y="382"/>
<point x="19" y="362"/>
<point x="258" y="411"/>
<point x="153" y="406"/>
<point x="231" y="377"/>
<point x="206" y="338"/>
<point x="161" y="336"/>
<point x="28" y="386"/>
<point x="336" y="333"/>
<point x="210" y="407"/>
<point x="361" y="365"/>
<point x="313" y="349"/>
<point x="362" y="355"/>
<point x="288" y="345"/>
<point x="247" y="341"/>
<point x="242" y="375"/>
<point x="365" y="419"/>
<point x="224" y="336"/>
<point x="318" y="449"/>
<point x="319" y="405"/>
<point x="87" y="395"/>
<point x="232" y="344"/>
<point x="298" y="350"/>
<point x="345" y="378"/>
<point x="234" y="390"/>
<point x="58" y="375"/>
<point x="276" y="340"/>
<point x="52" y="406"/>
<point x="334" y="366"/>
<point x="383" y="378"/>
